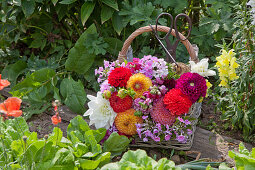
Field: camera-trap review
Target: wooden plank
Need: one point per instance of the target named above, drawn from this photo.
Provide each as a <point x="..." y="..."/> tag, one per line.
<point x="215" y="146"/>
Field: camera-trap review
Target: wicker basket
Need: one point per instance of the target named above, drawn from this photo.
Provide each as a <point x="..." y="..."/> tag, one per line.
<point x="195" y="109"/>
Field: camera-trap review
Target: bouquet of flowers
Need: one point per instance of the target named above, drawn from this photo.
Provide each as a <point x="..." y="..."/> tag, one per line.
<point x="146" y="97"/>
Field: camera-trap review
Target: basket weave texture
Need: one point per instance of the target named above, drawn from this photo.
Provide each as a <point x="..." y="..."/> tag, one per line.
<point x="195" y="109"/>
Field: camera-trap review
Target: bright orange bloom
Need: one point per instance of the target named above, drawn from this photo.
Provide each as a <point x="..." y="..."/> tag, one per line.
<point x="3" y="83"/>
<point x="56" y="119"/>
<point x="11" y="107"/>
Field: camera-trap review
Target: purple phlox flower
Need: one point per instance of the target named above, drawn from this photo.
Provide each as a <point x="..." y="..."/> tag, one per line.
<point x="158" y="125"/>
<point x="147" y="101"/>
<point x="156" y="138"/>
<point x="167" y="127"/>
<point x="138" y="125"/>
<point x="104" y="86"/>
<point x="139" y="132"/>
<point x="189" y="131"/>
<point x="187" y="122"/>
<point x="100" y="69"/>
<point x="99" y="80"/>
<point x="167" y="137"/>
<point x="163" y="89"/>
<point x="155" y="131"/>
<point x="180" y="119"/>
<point x="181" y="139"/>
<point x="106" y="64"/>
<point x="96" y="72"/>
<point x="107" y="135"/>
<point x="145" y="139"/>
<point x="159" y="81"/>
<point x="144" y="117"/>
<point x="147" y="94"/>
<point x="168" y="132"/>
<point x="113" y="64"/>
<point x="147" y="133"/>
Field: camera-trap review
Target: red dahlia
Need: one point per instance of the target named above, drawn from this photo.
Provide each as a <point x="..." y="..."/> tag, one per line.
<point x="177" y="102"/>
<point x="162" y="115"/>
<point x="119" y="77"/>
<point x="120" y="105"/>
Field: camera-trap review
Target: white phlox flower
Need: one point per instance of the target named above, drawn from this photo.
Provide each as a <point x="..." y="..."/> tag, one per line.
<point x="100" y="112"/>
<point x="201" y="68"/>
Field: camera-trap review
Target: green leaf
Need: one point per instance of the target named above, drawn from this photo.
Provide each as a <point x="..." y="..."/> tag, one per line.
<point x="79" y="60"/>
<point x="77" y="124"/>
<point x="28" y="7"/>
<point x="12" y="71"/>
<point x="32" y="82"/>
<point x="80" y="149"/>
<point x="99" y="134"/>
<point x="63" y="157"/>
<point x="54" y="2"/>
<point x="55" y="136"/>
<point x="92" y="143"/>
<point x="86" y="10"/>
<point x="117" y="22"/>
<point x="106" y="13"/>
<point x="74" y="94"/>
<point x="99" y="161"/>
<point x="115" y="45"/>
<point x="116" y="144"/>
<point x="19" y="124"/>
<point x="67" y="2"/>
<point x="111" y="3"/>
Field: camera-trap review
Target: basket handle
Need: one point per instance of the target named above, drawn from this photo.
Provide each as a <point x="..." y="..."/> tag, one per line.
<point x="127" y="43"/>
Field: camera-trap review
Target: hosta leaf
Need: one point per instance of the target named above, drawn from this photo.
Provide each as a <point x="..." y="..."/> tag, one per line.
<point x="74" y="94"/>
<point x="79" y="60"/>
<point x="86" y="9"/>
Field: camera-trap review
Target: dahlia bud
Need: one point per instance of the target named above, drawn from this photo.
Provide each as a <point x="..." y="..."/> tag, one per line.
<point x="46" y="137"/>
<point x="122" y="93"/>
<point x="159" y="93"/>
<point x="107" y="94"/>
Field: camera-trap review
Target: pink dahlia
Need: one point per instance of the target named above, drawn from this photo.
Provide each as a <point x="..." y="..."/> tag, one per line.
<point x="192" y="85"/>
<point x="162" y="115"/>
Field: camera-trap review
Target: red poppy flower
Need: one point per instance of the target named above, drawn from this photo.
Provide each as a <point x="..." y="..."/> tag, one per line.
<point x="11" y="107"/>
<point x="3" y="83"/>
<point x="56" y="119"/>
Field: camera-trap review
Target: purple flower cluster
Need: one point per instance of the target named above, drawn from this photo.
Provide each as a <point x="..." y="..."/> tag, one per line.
<point x="104" y="72"/>
<point x="192" y="85"/>
<point x="153" y="67"/>
<point x="179" y="131"/>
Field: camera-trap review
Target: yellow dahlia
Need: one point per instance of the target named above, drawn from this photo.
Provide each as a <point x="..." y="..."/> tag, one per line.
<point x="125" y="122"/>
<point x="139" y="83"/>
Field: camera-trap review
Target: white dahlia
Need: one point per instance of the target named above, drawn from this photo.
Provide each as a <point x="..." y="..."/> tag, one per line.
<point x="100" y="112"/>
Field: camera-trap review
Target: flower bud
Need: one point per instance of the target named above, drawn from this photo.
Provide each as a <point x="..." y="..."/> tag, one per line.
<point x="107" y="94"/>
<point x="122" y="93"/>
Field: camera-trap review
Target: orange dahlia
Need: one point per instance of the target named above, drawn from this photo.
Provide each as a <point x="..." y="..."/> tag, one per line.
<point x="125" y="122"/>
<point x="139" y="83"/>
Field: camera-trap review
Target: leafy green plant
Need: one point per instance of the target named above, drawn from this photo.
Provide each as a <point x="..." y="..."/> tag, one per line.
<point x="21" y="148"/>
<point x="237" y="101"/>
<point x="244" y="159"/>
